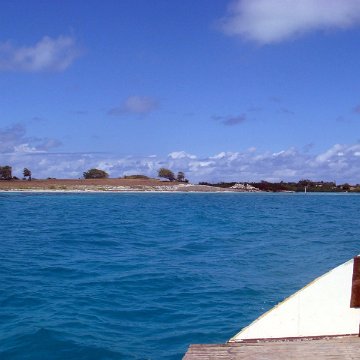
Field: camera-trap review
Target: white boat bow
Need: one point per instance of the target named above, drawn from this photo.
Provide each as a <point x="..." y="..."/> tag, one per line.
<point x="320" y="309"/>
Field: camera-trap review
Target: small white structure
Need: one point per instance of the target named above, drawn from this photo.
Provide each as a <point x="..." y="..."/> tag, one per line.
<point x="246" y="187"/>
<point x="322" y="308"/>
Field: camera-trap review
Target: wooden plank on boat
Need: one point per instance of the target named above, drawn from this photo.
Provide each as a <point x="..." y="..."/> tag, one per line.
<point x="341" y="348"/>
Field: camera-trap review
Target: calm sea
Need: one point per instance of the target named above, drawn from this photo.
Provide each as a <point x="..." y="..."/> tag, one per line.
<point x="141" y="276"/>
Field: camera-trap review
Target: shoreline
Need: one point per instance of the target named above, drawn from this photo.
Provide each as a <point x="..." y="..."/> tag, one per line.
<point x="110" y="186"/>
<point x="90" y="191"/>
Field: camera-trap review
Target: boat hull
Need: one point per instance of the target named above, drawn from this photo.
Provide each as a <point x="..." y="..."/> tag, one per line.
<point x="320" y="309"/>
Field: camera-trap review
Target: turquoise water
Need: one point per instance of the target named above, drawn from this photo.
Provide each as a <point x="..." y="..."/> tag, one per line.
<point x="141" y="276"/>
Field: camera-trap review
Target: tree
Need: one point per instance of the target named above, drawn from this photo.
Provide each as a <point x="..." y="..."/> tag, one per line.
<point x="305" y="182"/>
<point x="95" y="174"/>
<point x="27" y="173"/>
<point x="166" y="173"/>
<point x="5" y="172"/>
<point x="180" y="176"/>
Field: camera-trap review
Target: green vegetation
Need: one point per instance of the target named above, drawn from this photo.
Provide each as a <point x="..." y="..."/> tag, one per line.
<point x="282" y="186"/>
<point x="27" y="173"/>
<point x="5" y="172"/>
<point x="181" y="177"/>
<point x="166" y="174"/>
<point x="95" y="174"/>
<point x="141" y="177"/>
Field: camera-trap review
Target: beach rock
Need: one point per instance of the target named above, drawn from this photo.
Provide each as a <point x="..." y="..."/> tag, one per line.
<point x="244" y="187"/>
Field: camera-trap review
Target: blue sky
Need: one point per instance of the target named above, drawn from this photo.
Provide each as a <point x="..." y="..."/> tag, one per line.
<point x="223" y="90"/>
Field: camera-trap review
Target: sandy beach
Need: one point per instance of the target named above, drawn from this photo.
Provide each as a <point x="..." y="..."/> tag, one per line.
<point x="106" y="185"/>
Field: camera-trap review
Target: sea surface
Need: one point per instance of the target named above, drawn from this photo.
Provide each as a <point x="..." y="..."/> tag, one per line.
<point x="143" y="275"/>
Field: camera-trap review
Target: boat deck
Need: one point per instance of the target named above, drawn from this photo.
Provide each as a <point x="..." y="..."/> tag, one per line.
<point x="334" y="348"/>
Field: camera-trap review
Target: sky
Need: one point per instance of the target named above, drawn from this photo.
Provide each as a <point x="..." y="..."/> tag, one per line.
<point x="243" y="90"/>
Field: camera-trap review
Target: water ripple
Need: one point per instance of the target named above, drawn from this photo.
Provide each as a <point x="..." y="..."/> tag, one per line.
<point x="141" y="276"/>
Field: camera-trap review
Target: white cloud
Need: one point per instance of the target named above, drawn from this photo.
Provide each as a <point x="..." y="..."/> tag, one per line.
<point x="340" y="163"/>
<point x="10" y="137"/>
<point x="13" y="139"/>
<point x="26" y="148"/>
<point x="181" y="155"/>
<point x="46" y="55"/>
<point x="271" y="21"/>
<point x="329" y="155"/>
<point x="136" y="105"/>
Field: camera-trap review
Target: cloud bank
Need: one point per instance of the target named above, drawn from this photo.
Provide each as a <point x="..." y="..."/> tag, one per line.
<point x="273" y="21"/>
<point x="340" y="163"/>
<point x="46" y="55"/>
